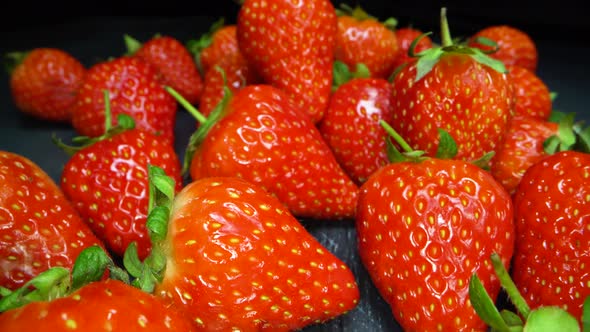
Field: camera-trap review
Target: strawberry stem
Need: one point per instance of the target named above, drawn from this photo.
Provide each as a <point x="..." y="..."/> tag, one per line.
<point x="446" y="39"/>
<point x="188" y="106"/>
<point x="507" y="283"/>
<point x="398" y="139"/>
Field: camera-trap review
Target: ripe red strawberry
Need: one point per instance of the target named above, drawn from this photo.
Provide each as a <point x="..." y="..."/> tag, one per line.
<point x="134" y="89"/>
<point x="362" y="38"/>
<point x="219" y="43"/>
<point x="264" y="138"/>
<point x="107" y="181"/>
<point x="522" y="147"/>
<point x="44" y="83"/>
<point x="458" y="89"/>
<point x="424" y="226"/>
<point x="108" y="305"/>
<point x="351" y="125"/>
<point x="515" y="47"/>
<point x="173" y="61"/>
<point x="236" y="259"/>
<point x="235" y="74"/>
<point x="532" y="96"/>
<point x="39" y="227"/>
<point x="405" y="37"/>
<point x="291" y="45"/>
<point x="551" y="212"/>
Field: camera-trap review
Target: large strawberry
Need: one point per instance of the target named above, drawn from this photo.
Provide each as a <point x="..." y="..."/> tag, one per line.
<point x="532" y="96"/>
<point x="364" y="39"/>
<point x="39" y="227"/>
<point x="134" y="89"/>
<point x="107" y="181"/>
<point x="260" y="135"/>
<point x="58" y="300"/>
<point x="351" y="126"/>
<point x="291" y="45"/>
<point x="232" y="257"/>
<point x="173" y="61"/>
<point x="513" y="46"/>
<point x="44" y="82"/>
<point x="458" y="89"/>
<point x="551" y="215"/>
<point x="425" y="225"/>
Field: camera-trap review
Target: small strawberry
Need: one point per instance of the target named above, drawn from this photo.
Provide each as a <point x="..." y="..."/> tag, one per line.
<point x="39" y="227"/>
<point x="425" y="225"/>
<point x="220" y="42"/>
<point x="364" y="39"/>
<point x="532" y="96"/>
<point x="351" y="126"/>
<point x="405" y="37"/>
<point x="134" y="89"/>
<point x="513" y="46"/>
<point x="106" y="180"/>
<point x="44" y="82"/>
<point x="260" y="135"/>
<point x="455" y="88"/>
<point x="291" y="45"/>
<point x="173" y="61"/>
<point x="551" y="216"/>
<point x="58" y="301"/>
<point x="236" y="259"/>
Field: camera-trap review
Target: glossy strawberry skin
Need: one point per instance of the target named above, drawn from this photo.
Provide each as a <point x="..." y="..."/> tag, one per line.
<point x="134" y="88"/>
<point x="108" y="305"/>
<point x="45" y="83"/>
<point x="405" y="37"/>
<point x="108" y="184"/>
<point x="264" y="138"/>
<point x="516" y="47"/>
<point x="39" y="227"/>
<point x="368" y="42"/>
<point x="224" y="43"/>
<point x="176" y="65"/>
<point x="522" y="147"/>
<point x="423" y="229"/>
<point x="351" y="125"/>
<point x="238" y="259"/>
<point x="470" y="101"/>
<point x="291" y="46"/>
<point x="551" y="213"/>
<point x="532" y="96"/>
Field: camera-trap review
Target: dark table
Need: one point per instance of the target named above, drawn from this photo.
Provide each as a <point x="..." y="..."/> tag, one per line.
<point x="563" y="65"/>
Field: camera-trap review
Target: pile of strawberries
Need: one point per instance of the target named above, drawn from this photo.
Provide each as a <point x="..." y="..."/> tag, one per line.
<point x="448" y="156"/>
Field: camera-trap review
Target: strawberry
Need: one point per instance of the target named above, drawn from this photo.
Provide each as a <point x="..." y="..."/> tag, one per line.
<point x="513" y="46"/>
<point x="405" y="37"/>
<point x="103" y="305"/>
<point x="532" y="96"/>
<point x="39" y="227"/>
<point x="351" y="126"/>
<point x="235" y="74"/>
<point x="219" y="43"/>
<point x="455" y="88"/>
<point x="173" y="61"/>
<point x="134" y="89"/>
<point x="236" y="259"/>
<point x="551" y="211"/>
<point x="362" y="38"/>
<point x="260" y="135"/>
<point x="291" y="45"/>
<point x="424" y="226"/>
<point x="106" y="180"/>
<point x="44" y="82"/>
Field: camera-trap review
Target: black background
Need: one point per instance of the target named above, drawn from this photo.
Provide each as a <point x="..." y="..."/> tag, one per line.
<point x="93" y="30"/>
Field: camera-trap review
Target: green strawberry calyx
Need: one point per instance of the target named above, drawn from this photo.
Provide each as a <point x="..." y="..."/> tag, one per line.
<point x="13" y="59"/>
<point x="124" y="123"/>
<point x="359" y="14"/>
<point x="196" y="46"/>
<point x="91" y="265"/>
<point x="543" y="318"/>
<point x="342" y="74"/>
<point x="147" y="273"/>
<point x="571" y="135"/>
<point x="427" y="59"/>
<point x="205" y="123"/>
